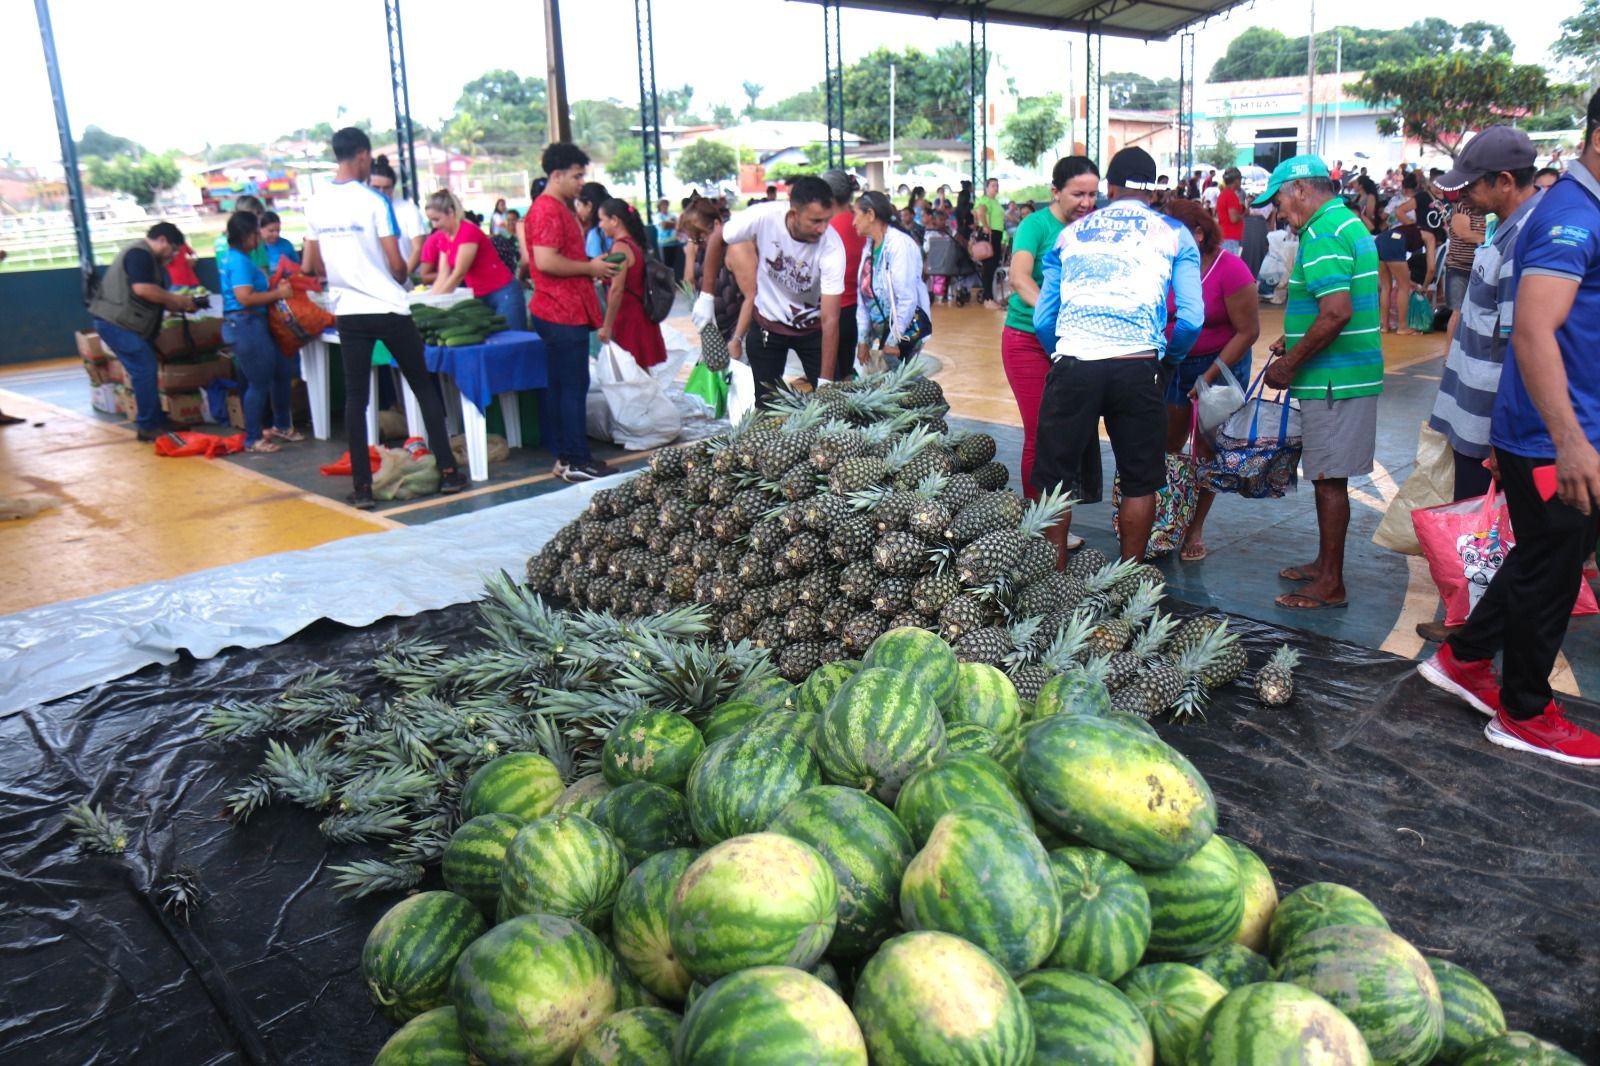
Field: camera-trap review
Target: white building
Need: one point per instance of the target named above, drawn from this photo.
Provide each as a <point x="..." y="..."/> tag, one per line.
<point x="1269" y="120"/>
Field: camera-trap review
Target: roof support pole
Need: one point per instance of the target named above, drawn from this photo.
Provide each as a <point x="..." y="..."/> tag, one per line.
<point x="649" y="109"/>
<point x="972" y="95"/>
<point x="1092" y="131"/>
<point x="1186" y="81"/>
<point x="983" y="73"/>
<point x="560" y="121"/>
<point x="833" y="57"/>
<point x="404" y="137"/>
<point x="69" y="149"/>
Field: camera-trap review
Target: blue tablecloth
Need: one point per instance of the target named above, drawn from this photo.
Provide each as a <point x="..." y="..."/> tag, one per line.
<point x="506" y="362"/>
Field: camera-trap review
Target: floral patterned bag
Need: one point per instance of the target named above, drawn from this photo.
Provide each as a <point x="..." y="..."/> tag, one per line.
<point x="1256" y="467"/>
<point x="1175" y="502"/>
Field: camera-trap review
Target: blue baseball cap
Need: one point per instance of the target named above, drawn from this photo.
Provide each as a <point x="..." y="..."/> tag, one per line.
<point x="1292" y="169"/>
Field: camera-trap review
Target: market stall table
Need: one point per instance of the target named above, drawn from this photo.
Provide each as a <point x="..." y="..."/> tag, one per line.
<point x="503" y="365"/>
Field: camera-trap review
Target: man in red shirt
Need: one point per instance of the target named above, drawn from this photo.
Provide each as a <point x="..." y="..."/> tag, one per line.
<point x="843" y="187"/>
<point x="565" y="309"/>
<point x="1230" y="211"/>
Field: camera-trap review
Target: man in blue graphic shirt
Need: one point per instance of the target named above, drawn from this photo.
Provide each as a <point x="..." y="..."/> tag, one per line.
<point x="1102" y="314"/>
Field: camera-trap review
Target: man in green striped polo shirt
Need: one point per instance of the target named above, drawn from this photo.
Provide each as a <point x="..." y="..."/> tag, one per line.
<point x="1330" y="358"/>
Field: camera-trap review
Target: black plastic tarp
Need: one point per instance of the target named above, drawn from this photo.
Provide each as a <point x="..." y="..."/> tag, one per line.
<point x="1369" y="778"/>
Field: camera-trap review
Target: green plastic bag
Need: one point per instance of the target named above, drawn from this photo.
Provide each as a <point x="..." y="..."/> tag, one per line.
<point x="1419" y="313"/>
<point x="710" y="386"/>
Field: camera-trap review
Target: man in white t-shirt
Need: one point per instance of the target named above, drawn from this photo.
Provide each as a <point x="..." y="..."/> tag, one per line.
<point x="353" y="239"/>
<point x="800" y="272"/>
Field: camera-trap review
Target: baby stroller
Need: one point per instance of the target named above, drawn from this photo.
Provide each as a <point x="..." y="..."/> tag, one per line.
<point x="950" y="267"/>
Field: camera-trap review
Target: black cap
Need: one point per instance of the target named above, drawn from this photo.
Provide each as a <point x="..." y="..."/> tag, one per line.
<point x="1132" y="168"/>
<point x="1493" y="150"/>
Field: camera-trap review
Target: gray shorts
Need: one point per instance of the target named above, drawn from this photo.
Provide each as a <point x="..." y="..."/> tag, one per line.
<point x="1340" y="437"/>
<point x="1455" y="288"/>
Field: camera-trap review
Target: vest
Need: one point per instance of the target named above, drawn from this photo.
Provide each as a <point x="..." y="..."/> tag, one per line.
<point x="115" y="301"/>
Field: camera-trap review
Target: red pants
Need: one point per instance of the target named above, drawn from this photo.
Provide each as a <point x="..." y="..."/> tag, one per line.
<point x="1026" y="366"/>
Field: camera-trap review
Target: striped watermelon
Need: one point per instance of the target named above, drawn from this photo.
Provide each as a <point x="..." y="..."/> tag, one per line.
<point x="639" y="924"/>
<point x="1118" y="789"/>
<point x="769" y="693"/>
<point x="1105" y="913"/>
<point x="1008" y="752"/>
<point x="743" y="780"/>
<point x="642" y="1036"/>
<point x="757" y="900"/>
<point x="630" y="993"/>
<point x="410" y="953"/>
<point x="931" y="997"/>
<point x="880" y="729"/>
<point x="565" y="865"/>
<point x="472" y="860"/>
<point x="1315" y="906"/>
<point x="645" y="818"/>
<point x="829" y="974"/>
<point x="1518" y="1049"/>
<point x="773" y="1015"/>
<point x="1281" y="1024"/>
<point x="1084" y="1021"/>
<point x="1260" y="896"/>
<point x="1133" y="721"/>
<point x="1382" y="984"/>
<point x="800" y="724"/>
<point x="818" y="690"/>
<point x="530" y="989"/>
<point x="1071" y="693"/>
<point x="522" y="783"/>
<point x="432" y="1038"/>
<point x="648" y="745"/>
<point x="1195" y="906"/>
<point x="985" y="877"/>
<point x="985" y="696"/>
<point x="868" y="850"/>
<point x="922" y="657"/>
<point x="953" y="782"/>
<point x="728" y="718"/>
<point x="1174" y="1000"/>
<point x="1471" y="1013"/>
<point x="581" y="796"/>
<point x="969" y="736"/>
<point x="1234" y="965"/>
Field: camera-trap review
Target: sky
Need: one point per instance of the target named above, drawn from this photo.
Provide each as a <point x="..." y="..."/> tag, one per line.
<point x="307" y="58"/>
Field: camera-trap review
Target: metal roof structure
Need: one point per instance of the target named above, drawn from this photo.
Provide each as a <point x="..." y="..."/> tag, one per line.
<point x="1146" y="20"/>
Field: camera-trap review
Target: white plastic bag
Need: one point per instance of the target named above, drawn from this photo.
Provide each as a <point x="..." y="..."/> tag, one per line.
<point x="641" y="415"/>
<point x="1431" y="483"/>
<point x="1218" y="400"/>
<point x="741" y="390"/>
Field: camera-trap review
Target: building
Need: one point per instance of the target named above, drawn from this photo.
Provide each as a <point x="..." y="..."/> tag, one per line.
<point x="1267" y="120"/>
<point x="1154" y="131"/>
<point x="878" y="165"/>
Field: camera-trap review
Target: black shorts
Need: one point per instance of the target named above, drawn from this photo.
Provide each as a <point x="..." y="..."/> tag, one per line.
<point x="1128" y="394"/>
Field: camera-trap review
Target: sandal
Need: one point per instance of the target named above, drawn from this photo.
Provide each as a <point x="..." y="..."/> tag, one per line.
<point x="292" y="435"/>
<point x="1308" y="603"/>
<point x="1192" y="553"/>
<point x="262" y="447"/>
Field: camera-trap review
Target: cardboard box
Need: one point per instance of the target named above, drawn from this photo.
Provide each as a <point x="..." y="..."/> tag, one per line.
<point x="236" y="409"/>
<point x="206" y="334"/>
<point x="104" y="398"/>
<point x="126" y="403"/>
<point x="187" y="406"/>
<point x="114" y="373"/>
<point x="92" y="348"/>
<point x="181" y="377"/>
<point x="96" y="372"/>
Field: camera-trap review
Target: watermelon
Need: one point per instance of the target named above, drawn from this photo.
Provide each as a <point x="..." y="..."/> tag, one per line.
<point x="1195" y="906"/>
<point x="1105" y="913"/>
<point x="581" y="796"/>
<point x="630" y="993"/>
<point x="530" y="989"/>
<point x="829" y="974"/>
<point x="880" y="729"/>
<point x="769" y="693"/>
<point x="800" y="724"/>
<point x="1117" y="789"/>
<point x="757" y="900"/>
<point x="933" y="998"/>
<point x="773" y="1015"/>
<point x="1071" y="693"/>
<point x="1084" y="1021"/>
<point x="410" y="954"/>
<point x="818" y="690"/>
<point x="1382" y="984"/>
<point x="432" y="1038"/>
<point x="1008" y="752"/>
<point x="868" y="850"/>
<point x="522" y="783"/>
<point x="1260" y="896"/>
<point x="1319" y="904"/>
<point x="919" y="656"/>
<point x="1471" y="1013"/>
<point x="1518" y="1049"/>
<point x="969" y="736"/>
<point x="472" y="860"/>
<point x="563" y="864"/>
<point x="728" y="718"/>
<point x="953" y="782"/>
<point x="1174" y="1000"/>
<point x="642" y="1036"/>
<point x="1234" y="965"/>
<point x="647" y="745"/>
<point x="639" y="924"/>
<point x="1133" y="721"/>
<point x="1278" y="1023"/>
<point x="985" y="696"/>
<point x="743" y="780"/>
<point x="985" y="877"/>
<point x="645" y="818"/>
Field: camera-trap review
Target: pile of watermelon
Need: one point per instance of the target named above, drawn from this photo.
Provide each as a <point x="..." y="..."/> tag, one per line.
<point x="897" y="861"/>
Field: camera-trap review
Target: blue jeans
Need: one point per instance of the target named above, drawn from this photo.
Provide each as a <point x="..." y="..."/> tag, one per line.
<point x="266" y="372"/>
<point x="1233" y="246"/>
<point x="510" y="302"/>
<point x="138" y="359"/>
<point x="566" y="352"/>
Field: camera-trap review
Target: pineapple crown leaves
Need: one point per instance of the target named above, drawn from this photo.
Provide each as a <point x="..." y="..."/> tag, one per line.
<point x="906" y="448"/>
<point x="1206" y="651"/>
<point x="1142" y="603"/>
<point x="96" y="830"/>
<point x="1147" y="644"/>
<point x="1112" y="573"/>
<point x="869" y="499"/>
<point x="1044" y="512"/>
<point x="378" y="823"/>
<point x="1097" y="668"/>
<point x="367" y="876"/>
<point x="1285" y="658"/>
<point x="931" y="485"/>
<point x="1070" y="640"/>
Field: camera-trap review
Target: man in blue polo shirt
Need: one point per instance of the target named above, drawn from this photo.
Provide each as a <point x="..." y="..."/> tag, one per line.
<point x="1545" y="429"/>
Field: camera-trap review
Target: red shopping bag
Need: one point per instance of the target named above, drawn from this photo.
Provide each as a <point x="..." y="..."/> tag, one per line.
<point x="1465" y="544"/>
<point x="175" y="445"/>
<point x="341" y="465"/>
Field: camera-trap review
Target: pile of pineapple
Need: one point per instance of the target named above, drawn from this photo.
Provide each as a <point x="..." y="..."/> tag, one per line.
<point x="813" y="527"/>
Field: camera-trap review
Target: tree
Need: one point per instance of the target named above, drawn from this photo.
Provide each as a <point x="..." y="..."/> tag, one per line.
<point x="97" y="142"/>
<point x="1033" y="130"/>
<point x="752" y="93"/>
<point x="1438" y="99"/>
<point x="1580" y="40"/>
<point x="1264" y="53"/>
<point x="500" y="113"/>
<point x="235" y="150"/>
<point x="626" y="162"/>
<point x="706" y="162"/>
<point x="599" y="126"/>
<point x="1135" y="91"/>
<point x="722" y="115"/>
<point x="1223" y="153"/>
<point x="143" y="180"/>
<point x="674" y="104"/>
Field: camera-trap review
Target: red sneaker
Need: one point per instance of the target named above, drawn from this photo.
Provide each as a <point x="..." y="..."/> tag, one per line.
<point x="1477" y="683"/>
<point x="1550" y="735"/>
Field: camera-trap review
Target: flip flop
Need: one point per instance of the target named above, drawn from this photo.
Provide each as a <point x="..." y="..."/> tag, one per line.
<point x="262" y="447"/>
<point x="1312" y="603"/>
<point x="1187" y="555"/>
<point x="1294" y="573"/>
<point x="1074" y="543"/>
<point x="293" y="436"/>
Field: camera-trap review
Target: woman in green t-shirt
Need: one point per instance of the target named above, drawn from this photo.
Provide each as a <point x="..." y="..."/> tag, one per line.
<point x="1074" y="185"/>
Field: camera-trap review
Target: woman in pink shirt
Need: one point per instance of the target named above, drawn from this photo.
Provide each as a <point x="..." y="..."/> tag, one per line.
<point x="1232" y="324"/>
<point x="464" y="254"/>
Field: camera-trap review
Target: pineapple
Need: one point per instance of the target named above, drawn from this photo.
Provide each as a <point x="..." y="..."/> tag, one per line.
<point x="929" y="514"/>
<point x="817" y="588"/>
<point x="973" y="450"/>
<point x="886" y="508"/>
<point x="801" y="623"/>
<point x="1275" y="680"/>
<point x="768" y="633"/>
<point x="1113" y="633"/>
<point x="803" y="552"/>
<point x="1191" y="633"/>
<point x="799" y="483"/>
<point x="933" y="459"/>
<point x="783" y="597"/>
<point x="1038" y="559"/>
<point x="852" y="540"/>
<point x="1098" y="594"/>
<point x="821" y="513"/>
<point x="900" y="554"/>
<point x="832" y="617"/>
<point x="861" y="472"/>
<point x="666" y="464"/>
<point x="1086" y="561"/>
<point x="1192" y="667"/>
<point x="996" y="510"/>
<point x="984" y="644"/>
<point x="858" y="581"/>
<point x="789" y="445"/>
<point x="831" y="651"/>
<point x="909" y="620"/>
<point x="713" y="347"/>
<point x="836" y="441"/>
<point x="990" y="557"/>
<point x="1028" y="679"/>
<point x="892" y="596"/>
<point x="1046" y="595"/>
<point x="1127" y="666"/>
<point x="1226" y="669"/>
<point x="766" y="536"/>
<point x="736" y="627"/>
<point x="862" y="629"/>
<point x="797" y="660"/>
<point x="992" y="476"/>
<point x="932" y="591"/>
<point x="961" y="615"/>
<point x="959" y="490"/>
